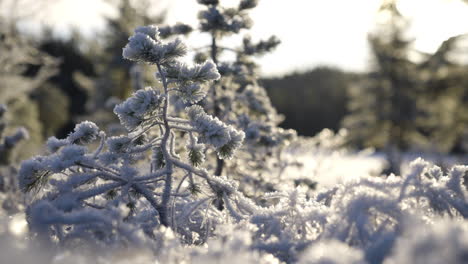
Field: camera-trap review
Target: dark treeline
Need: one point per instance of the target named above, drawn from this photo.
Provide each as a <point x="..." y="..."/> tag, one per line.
<point x="311" y="100"/>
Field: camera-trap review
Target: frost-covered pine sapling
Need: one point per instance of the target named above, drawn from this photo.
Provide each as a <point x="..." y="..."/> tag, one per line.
<point x="237" y="98"/>
<point x="143" y="47"/>
<point x="94" y="184"/>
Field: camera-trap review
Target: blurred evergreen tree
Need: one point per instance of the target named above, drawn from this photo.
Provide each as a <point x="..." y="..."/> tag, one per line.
<point x="9" y="143"/>
<point x="445" y="101"/>
<point x="116" y="78"/>
<point x="410" y="100"/>
<point x="115" y="73"/>
<point x="24" y="68"/>
<point x="53" y="105"/>
<point x="70" y="93"/>
<point x="383" y="107"/>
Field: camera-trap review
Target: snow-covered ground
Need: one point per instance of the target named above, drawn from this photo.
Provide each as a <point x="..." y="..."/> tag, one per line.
<point x="329" y="169"/>
<point x="331" y="166"/>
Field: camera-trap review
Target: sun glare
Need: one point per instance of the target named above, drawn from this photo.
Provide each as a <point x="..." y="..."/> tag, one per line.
<point x="320" y="28"/>
<point x="316" y="28"/>
<point x="433" y="21"/>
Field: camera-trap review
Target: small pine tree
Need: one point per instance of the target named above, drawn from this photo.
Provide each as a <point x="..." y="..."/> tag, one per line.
<point x="444" y="118"/>
<point x="86" y="187"/>
<point x="405" y="104"/>
<point x="237" y="98"/>
<point x="383" y="108"/>
<point x="24" y="68"/>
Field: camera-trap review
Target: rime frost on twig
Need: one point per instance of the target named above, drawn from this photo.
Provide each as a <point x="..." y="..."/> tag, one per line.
<point x="212" y="131"/>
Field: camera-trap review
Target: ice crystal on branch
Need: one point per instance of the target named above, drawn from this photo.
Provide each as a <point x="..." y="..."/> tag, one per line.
<point x="53" y="144"/>
<point x="145" y="46"/>
<point x="84" y="133"/>
<point x="31" y="173"/>
<point x="195" y="150"/>
<point x="212" y="131"/>
<point x="151" y="31"/>
<point x="137" y="109"/>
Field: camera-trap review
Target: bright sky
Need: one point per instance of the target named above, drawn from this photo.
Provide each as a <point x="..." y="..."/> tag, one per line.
<point x="332" y="32"/>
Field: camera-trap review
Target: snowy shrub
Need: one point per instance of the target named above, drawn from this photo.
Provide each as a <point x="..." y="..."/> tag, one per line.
<point x="102" y="191"/>
<point x="368" y="214"/>
<point x="442" y="241"/>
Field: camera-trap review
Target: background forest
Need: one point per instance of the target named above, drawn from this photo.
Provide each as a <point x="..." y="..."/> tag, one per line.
<point x="411" y="100"/>
<point x="304" y="134"/>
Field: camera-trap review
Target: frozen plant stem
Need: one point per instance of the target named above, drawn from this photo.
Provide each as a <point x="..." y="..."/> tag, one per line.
<point x="167" y="132"/>
<point x="214" y="50"/>
<point x="217" y="110"/>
